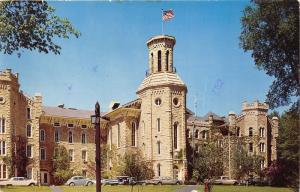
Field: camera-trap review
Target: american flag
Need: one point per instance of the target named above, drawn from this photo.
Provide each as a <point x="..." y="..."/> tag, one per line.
<point x="167" y="14"/>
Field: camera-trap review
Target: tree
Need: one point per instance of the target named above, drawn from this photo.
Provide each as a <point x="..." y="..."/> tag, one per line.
<point x="270" y="30"/>
<point x="61" y="165"/>
<point x="136" y="166"/>
<point x="31" y="25"/>
<point x="288" y="145"/>
<point x="208" y="163"/>
<point x="244" y="164"/>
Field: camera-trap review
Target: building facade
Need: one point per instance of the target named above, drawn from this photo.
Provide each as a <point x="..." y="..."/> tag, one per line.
<point x="157" y="123"/>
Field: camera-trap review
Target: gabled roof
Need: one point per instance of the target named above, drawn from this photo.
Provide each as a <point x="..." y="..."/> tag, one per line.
<point x="215" y="116"/>
<point x="68" y="112"/>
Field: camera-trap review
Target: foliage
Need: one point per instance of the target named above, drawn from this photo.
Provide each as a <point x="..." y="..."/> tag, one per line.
<point x="61" y="165"/>
<point x="19" y="160"/>
<point x="270" y="30"/>
<point x="208" y="163"/>
<point x="136" y="166"/>
<point x="288" y="145"/>
<point x="31" y="25"/>
<point x="244" y="164"/>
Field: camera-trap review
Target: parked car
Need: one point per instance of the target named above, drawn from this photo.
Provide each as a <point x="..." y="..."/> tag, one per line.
<point x="19" y="181"/>
<point x="110" y="182"/>
<point x="77" y="180"/>
<point x="93" y="182"/>
<point x="224" y="180"/>
<point x="163" y="181"/>
<point x="126" y="180"/>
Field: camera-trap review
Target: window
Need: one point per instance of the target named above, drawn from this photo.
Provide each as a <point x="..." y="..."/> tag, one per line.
<point x="158" y="147"/>
<point x="43" y="154"/>
<point x="56" y="136"/>
<point x="42" y="135"/>
<point x="83" y="138"/>
<point x="250" y="132"/>
<point x="262" y="147"/>
<point x="28" y="151"/>
<point x="119" y="136"/>
<point x="158" y="124"/>
<point x="29" y="173"/>
<point x="157" y="101"/>
<point x="70" y="137"/>
<point x="84" y="155"/>
<point x="2" y="125"/>
<point x="175" y="135"/>
<point x="110" y="138"/>
<point x="176" y="101"/>
<point x="3" y="171"/>
<point x="2" y="148"/>
<point x="151" y="59"/>
<point x="189" y="133"/>
<point x="204" y="134"/>
<point x="84" y="173"/>
<point x="71" y="155"/>
<point x="28" y="130"/>
<point x="83" y="126"/>
<point x="251" y="147"/>
<point x="57" y="124"/>
<point x="167" y="61"/>
<point x="133" y="134"/>
<point x="262" y="164"/>
<point x="262" y="132"/>
<point x="158" y="170"/>
<point x="238" y="131"/>
<point x="28" y="113"/>
<point x="196" y="134"/>
<point x="159" y="61"/>
<point x="70" y="125"/>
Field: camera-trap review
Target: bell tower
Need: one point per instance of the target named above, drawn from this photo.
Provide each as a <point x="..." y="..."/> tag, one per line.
<point x="163" y="107"/>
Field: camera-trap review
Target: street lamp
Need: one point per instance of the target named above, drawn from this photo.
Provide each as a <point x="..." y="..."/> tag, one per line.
<point x="95" y="119"/>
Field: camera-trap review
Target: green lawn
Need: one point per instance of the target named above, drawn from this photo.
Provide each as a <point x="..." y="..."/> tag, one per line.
<point x="217" y="188"/>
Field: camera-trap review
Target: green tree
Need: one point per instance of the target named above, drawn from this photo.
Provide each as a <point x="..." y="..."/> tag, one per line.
<point x="270" y="30"/>
<point x="288" y="145"/>
<point x="134" y="165"/>
<point x="61" y="165"/>
<point x="244" y="164"/>
<point x="31" y="25"/>
<point x="208" y="163"/>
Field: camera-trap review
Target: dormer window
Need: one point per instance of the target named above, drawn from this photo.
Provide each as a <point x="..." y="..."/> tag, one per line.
<point x="56" y="124"/>
<point x="159" y="61"/>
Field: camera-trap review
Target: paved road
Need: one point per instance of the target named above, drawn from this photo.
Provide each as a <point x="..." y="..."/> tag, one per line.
<point x="55" y="188"/>
<point x="189" y="188"/>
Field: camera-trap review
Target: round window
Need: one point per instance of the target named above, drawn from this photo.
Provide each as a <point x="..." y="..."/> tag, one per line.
<point x="157" y="101"/>
<point x="176" y="101"/>
<point x="2" y="100"/>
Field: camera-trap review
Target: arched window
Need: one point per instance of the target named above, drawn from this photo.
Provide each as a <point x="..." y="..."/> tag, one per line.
<point x="28" y="130"/>
<point x="42" y="135"/>
<point x="251" y="147"/>
<point x="167" y="61"/>
<point x="158" y="124"/>
<point x="250" y="132"/>
<point x="70" y="137"/>
<point x="262" y="164"/>
<point x="158" y="170"/>
<point x="238" y="131"/>
<point x="175" y="135"/>
<point x="133" y="134"/>
<point x="159" y="61"/>
<point x="188" y="133"/>
<point x="151" y="59"/>
<point x="262" y="132"/>
<point x="262" y="147"/>
<point x="83" y="138"/>
<point x="197" y="133"/>
<point x="158" y="147"/>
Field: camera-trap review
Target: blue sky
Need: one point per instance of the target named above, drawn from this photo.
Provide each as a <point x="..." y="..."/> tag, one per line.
<point x="109" y="60"/>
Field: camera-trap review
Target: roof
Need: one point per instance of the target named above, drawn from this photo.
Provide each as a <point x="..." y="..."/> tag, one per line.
<point x="68" y="112"/>
<point x="162" y="78"/>
<point x="215" y="116"/>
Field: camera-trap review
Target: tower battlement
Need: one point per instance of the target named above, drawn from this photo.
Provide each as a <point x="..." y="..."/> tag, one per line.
<point x="256" y="105"/>
<point x="7" y="75"/>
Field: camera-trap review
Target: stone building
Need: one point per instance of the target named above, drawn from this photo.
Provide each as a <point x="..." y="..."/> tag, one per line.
<point x="157" y="123"/>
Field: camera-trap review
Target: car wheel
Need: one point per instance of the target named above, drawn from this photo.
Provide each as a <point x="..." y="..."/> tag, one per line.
<point x="31" y="184"/>
<point x="177" y="183"/>
<point x="72" y="184"/>
<point x="159" y="183"/>
<point x="89" y="183"/>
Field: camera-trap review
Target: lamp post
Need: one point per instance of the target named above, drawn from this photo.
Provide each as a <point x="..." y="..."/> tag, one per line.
<point x="95" y="119"/>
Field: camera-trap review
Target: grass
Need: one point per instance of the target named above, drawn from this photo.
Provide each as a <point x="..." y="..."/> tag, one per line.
<point x="167" y="188"/>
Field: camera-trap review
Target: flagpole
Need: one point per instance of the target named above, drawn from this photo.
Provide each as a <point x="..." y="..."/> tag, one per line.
<point x="162" y="21"/>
